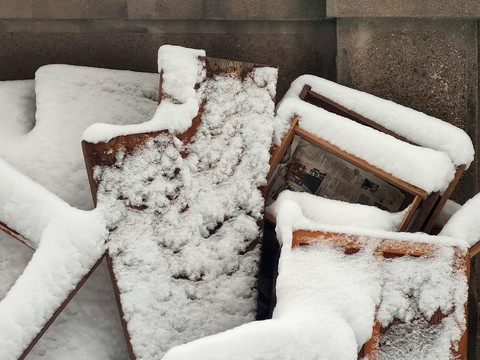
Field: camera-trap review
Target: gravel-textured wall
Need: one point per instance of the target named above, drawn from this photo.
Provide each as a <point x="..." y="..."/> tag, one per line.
<point x="126" y="34"/>
<point x="296" y="48"/>
<point x="427" y="64"/>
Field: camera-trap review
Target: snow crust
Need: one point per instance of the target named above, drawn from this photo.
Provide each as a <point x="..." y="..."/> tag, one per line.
<point x="68" y="99"/>
<point x="197" y="229"/>
<point x="465" y="222"/>
<point x="416" y="126"/>
<point x="425" y="168"/>
<point x="181" y="70"/>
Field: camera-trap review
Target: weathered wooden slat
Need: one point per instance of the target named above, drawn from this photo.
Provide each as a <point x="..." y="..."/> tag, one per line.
<point x="14" y="234"/>
<point x="116" y="292"/>
<point x="410" y="213"/>
<point x="424" y="213"/>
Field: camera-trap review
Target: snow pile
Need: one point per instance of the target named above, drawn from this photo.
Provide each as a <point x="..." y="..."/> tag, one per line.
<point x="306" y="210"/>
<point x="425" y="168"/>
<point x="26" y="206"/>
<point x="184" y="217"/>
<point x="414" y="288"/>
<point x="465" y="222"/>
<point x="181" y="70"/>
<point x="69" y="241"/>
<point x="416" y="126"/>
<point x="17" y="108"/>
<point x="316" y="316"/>
<point x="14" y="257"/>
<point x="327" y="300"/>
<point x="68" y="100"/>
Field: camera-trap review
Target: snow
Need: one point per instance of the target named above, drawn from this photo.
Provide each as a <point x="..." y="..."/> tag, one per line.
<point x="309" y="322"/>
<point x="410" y="290"/>
<point x="425" y="168"/>
<point x="327" y="300"/>
<point x="88" y="328"/>
<point x="464" y="223"/>
<point x="197" y="230"/>
<point x="181" y="70"/>
<point x="414" y="288"/>
<point x="415" y="340"/>
<point x="46" y="150"/>
<point x="450" y="208"/>
<point x="308" y="208"/>
<point x="14" y="257"/>
<point x="292" y="216"/>
<point x="27" y="207"/>
<point x="416" y="126"/>
<point x="70" y="244"/>
<point x="204" y="287"/>
<point x="68" y="100"/>
<point x="18" y="112"/>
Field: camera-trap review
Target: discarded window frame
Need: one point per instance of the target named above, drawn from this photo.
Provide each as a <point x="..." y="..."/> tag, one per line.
<point x="345" y="169"/>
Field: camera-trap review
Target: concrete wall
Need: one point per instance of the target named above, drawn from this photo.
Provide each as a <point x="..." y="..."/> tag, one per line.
<point x="428" y="64"/>
<point x="164" y="9"/>
<point x="126" y="34"/>
<point x="422" y="54"/>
